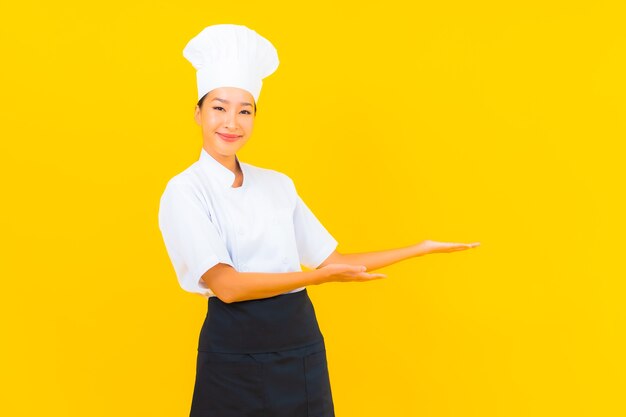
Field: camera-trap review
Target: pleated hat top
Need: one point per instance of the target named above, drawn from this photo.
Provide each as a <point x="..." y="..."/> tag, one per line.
<point x="229" y="55"/>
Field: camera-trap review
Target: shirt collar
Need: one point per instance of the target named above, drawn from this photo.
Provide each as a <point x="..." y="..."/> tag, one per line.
<point x="224" y="176"/>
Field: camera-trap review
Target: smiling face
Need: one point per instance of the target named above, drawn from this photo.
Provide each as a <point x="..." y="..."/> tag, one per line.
<point x="226" y="116"/>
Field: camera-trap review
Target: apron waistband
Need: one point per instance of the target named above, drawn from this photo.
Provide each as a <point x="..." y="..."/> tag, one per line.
<point x="281" y="322"/>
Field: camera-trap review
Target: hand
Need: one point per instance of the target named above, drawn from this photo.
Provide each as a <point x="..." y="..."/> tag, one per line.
<point x="347" y="273"/>
<point x="431" y="246"/>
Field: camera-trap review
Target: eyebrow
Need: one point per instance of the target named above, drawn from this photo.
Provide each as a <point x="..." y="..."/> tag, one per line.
<point x="243" y="103"/>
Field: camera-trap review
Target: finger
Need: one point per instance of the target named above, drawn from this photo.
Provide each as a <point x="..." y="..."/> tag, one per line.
<point x="372" y="276"/>
<point x="470" y="245"/>
<point x="354" y="269"/>
<point x="457" y="248"/>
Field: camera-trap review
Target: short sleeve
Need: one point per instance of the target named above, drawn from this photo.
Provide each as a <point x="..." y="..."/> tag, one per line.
<point x="191" y="239"/>
<point x="314" y="242"/>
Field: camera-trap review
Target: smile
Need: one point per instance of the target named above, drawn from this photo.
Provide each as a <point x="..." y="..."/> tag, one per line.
<point x="229" y="138"/>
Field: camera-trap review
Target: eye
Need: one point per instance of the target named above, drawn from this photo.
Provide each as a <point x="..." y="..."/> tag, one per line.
<point x="222" y="108"/>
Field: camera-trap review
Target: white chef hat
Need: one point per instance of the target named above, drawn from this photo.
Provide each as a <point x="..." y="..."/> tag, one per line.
<point x="228" y="55"/>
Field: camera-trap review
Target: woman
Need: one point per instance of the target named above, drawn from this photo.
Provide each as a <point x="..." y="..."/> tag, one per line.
<point x="237" y="234"/>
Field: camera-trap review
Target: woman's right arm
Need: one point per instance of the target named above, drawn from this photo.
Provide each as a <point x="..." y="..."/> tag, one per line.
<point x="229" y="285"/>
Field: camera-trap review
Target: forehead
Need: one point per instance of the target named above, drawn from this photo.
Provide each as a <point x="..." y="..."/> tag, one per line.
<point x="231" y="94"/>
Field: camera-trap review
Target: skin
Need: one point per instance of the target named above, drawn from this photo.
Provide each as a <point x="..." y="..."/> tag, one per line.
<point x="231" y="117"/>
<point x="222" y="111"/>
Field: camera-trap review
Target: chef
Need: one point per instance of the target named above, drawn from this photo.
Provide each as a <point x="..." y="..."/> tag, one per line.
<point x="237" y="234"/>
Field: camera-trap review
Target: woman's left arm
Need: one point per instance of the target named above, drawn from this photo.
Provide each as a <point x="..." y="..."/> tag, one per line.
<point x="379" y="259"/>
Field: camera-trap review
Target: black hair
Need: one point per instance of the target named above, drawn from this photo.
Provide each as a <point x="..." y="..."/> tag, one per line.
<point x="204" y="96"/>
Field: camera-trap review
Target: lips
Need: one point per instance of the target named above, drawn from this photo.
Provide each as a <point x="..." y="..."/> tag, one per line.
<point x="227" y="137"/>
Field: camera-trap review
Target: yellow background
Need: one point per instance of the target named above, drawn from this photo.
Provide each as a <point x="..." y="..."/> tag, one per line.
<point x="496" y="122"/>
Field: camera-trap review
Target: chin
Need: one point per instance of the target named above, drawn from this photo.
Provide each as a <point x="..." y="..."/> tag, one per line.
<point x="227" y="149"/>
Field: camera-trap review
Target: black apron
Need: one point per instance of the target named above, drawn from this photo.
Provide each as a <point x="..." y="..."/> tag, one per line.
<point x="262" y="358"/>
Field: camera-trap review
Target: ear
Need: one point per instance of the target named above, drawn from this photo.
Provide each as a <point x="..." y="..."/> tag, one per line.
<point x="198" y="115"/>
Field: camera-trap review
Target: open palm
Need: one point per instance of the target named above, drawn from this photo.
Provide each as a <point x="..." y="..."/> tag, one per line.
<point x="432" y="246"/>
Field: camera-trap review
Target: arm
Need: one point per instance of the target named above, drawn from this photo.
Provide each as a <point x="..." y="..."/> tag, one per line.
<point x="379" y="259"/>
<point x="229" y="285"/>
<point x="373" y="260"/>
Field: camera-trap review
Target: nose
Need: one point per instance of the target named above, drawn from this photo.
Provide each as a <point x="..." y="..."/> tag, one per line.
<point x="231" y="120"/>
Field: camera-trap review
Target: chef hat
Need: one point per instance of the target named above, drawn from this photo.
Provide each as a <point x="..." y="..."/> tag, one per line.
<point x="228" y="55"/>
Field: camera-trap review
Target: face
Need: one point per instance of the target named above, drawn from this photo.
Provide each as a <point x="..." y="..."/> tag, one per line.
<point x="226" y="112"/>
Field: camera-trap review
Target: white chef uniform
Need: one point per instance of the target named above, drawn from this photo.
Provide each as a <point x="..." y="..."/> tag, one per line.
<point x="261" y="226"/>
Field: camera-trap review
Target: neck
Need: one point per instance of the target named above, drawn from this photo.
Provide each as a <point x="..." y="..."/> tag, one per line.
<point x="229" y="161"/>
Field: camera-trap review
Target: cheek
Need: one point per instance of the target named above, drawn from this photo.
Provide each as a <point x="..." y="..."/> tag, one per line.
<point x="211" y="121"/>
<point x="248" y="124"/>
